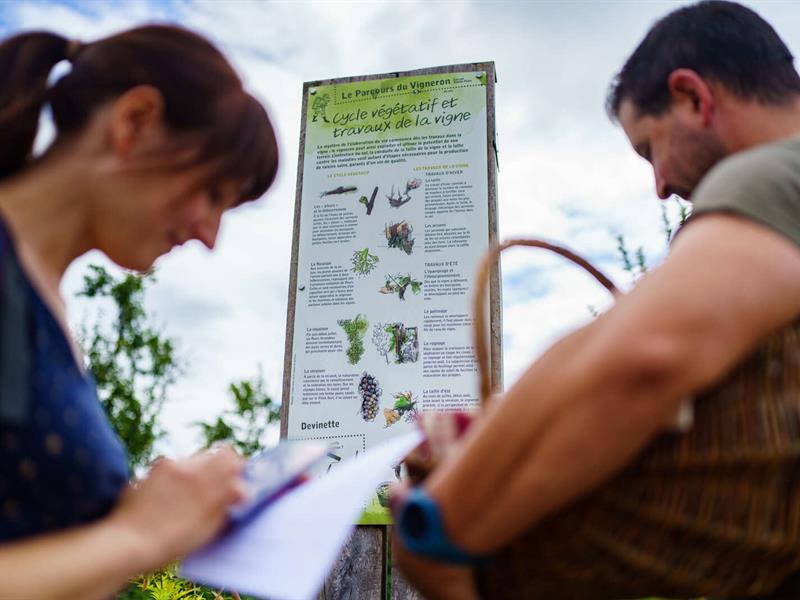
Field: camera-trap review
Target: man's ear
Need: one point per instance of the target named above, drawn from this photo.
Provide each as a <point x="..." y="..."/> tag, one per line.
<point x="135" y="116"/>
<point x="691" y="91"/>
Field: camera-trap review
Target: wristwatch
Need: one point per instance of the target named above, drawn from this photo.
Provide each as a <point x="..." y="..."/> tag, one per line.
<point x="422" y="531"/>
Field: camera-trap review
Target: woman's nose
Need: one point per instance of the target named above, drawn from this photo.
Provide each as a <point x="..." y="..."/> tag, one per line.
<point x="207" y="228"/>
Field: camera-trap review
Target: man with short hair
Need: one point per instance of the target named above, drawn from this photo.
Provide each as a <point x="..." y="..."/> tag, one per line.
<point x="711" y="99"/>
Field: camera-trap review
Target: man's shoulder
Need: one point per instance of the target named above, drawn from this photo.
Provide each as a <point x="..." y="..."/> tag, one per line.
<point x="761" y="184"/>
<point x="767" y="168"/>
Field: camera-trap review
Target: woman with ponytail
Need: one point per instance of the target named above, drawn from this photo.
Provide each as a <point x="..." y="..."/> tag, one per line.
<point x="155" y="140"/>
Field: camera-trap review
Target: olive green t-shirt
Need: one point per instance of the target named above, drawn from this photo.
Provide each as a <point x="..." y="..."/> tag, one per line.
<point x="762" y="184"/>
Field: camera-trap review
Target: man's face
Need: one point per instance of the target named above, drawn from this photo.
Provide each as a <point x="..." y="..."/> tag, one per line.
<point x="680" y="150"/>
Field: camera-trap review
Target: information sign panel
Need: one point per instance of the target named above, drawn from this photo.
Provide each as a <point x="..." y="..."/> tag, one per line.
<point x="395" y="206"/>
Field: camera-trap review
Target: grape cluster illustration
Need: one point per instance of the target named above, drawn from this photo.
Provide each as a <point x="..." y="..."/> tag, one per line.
<point x="370" y="391"/>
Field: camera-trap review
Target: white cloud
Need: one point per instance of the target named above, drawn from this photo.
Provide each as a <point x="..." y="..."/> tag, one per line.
<point x="566" y="172"/>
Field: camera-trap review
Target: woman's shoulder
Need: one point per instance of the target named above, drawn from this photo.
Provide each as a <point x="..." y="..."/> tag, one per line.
<point x="15" y="334"/>
<point x="62" y="462"/>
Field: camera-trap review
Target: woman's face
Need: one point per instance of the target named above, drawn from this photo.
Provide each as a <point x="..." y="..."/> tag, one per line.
<point x="145" y="204"/>
<point x="163" y="210"/>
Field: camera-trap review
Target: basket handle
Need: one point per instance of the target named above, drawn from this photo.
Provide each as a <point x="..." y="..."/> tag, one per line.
<point x="479" y="298"/>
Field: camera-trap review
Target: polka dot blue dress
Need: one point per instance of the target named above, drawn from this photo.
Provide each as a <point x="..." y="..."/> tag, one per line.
<point x="61" y="464"/>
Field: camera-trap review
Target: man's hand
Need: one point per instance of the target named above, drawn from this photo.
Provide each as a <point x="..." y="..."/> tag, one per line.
<point x="442" y="432"/>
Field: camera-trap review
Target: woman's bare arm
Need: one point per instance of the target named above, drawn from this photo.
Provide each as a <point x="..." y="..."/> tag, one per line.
<point x="179" y="507"/>
<point x="84" y="562"/>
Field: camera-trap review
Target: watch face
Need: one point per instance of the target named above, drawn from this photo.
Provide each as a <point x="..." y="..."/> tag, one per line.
<point x="414" y="521"/>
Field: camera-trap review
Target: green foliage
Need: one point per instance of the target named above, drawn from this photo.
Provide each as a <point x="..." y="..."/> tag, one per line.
<point x="355" y="329"/>
<point x="355" y="351"/>
<point x="170" y="588"/>
<point x="397" y="284"/>
<point x="132" y="363"/>
<point x="667" y="226"/>
<point x="393" y="332"/>
<point x="641" y="261"/>
<point x="404" y="401"/>
<point x="363" y="261"/>
<point x="166" y="585"/>
<point x="637" y="266"/>
<point x="245" y="425"/>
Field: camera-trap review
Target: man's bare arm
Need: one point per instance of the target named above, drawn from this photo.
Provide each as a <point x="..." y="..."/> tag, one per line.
<point x="585" y="409"/>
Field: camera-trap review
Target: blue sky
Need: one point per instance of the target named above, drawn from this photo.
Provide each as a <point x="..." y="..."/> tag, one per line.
<point x="567" y="173"/>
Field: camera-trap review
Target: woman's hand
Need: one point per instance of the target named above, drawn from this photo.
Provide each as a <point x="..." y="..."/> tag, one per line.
<point x="181" y="505"/>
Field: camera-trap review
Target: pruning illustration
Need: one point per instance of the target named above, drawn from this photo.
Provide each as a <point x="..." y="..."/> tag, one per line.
<point x="371" y="202"/>
<point x="396" y="201"/>
<point x="398" y="235"/>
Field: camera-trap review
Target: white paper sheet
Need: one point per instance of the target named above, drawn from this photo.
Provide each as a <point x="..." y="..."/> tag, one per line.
<point x="286" y="552"/>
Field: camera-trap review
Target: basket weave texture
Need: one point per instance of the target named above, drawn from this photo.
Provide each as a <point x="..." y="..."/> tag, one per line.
<point x="714" y="511"/>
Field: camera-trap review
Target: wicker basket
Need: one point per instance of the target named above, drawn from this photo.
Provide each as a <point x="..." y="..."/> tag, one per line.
<point x="714" y="511"/>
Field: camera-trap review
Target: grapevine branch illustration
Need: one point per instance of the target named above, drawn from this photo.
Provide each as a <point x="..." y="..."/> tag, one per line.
<point x="405" y="406"/>
<point x="398" y="340"/>
<point x="397" y="284"/>
<point x="363" y="262"/>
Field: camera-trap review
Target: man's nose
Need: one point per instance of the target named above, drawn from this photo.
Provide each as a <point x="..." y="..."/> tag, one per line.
<point x="662" y="187"/>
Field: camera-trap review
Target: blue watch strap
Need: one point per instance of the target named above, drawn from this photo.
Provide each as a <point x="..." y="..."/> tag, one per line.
<point x="422" y="531"/>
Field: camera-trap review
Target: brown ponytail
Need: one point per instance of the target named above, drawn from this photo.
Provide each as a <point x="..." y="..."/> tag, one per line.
<point x="204" y="102"/>
<point x="25" y="62"/>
